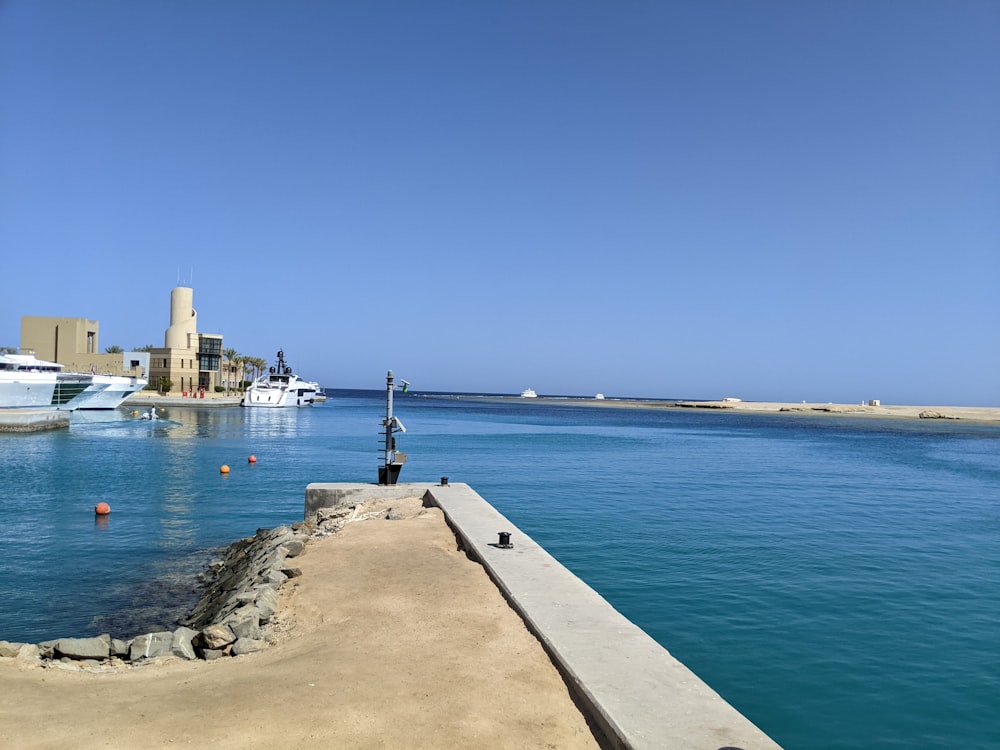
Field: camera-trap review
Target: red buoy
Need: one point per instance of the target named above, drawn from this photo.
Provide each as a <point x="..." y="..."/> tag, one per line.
<point x="102" y="509"/>
<point x="252" y="459"/>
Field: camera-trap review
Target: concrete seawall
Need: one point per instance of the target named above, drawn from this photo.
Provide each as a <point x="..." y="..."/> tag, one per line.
<point x="33" y="420"/>
<point x="639" y="695"/>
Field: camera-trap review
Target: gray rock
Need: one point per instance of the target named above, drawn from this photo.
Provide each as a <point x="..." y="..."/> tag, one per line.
<point x="248" y="625"/>
<point x="150" y="645"/>
<point x="119" y="647"/>
<point x="267" y="603"/>
<point x="28" y="652"/>
<point x="211" y="654"/>
<point x="275" y="577"/>
<point x="47" y="649"/>
<point x="294" y="547"/>
<point x="932" y="414"/>
<point x="247" y="646"/>
<point x="181" y="645"/>
<point x="292" y="572"/>
<point x="83" y="648"/>
<point x="216" y="636"/>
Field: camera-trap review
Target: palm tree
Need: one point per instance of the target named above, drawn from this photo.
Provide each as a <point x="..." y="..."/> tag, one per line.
<point x="238" y="364"/>
<point x="230" y="355"/>
<point x="146" y="348"/>
<point x="260" y="364"/>
<point x="113" y="350"/>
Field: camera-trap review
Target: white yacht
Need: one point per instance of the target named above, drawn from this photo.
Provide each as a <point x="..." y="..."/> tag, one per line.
<point x="280" y="387"/>
<point x="528" y="393"/>
<point x="27" y="382"/>
<point x="109" y="391"/>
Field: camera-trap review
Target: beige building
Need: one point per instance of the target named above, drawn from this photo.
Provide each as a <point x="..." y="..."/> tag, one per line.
<point x="74" y="343"/>
<point x="189" y="360"/>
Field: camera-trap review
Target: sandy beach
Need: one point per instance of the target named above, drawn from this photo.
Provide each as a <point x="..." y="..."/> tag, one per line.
<point x="885" y="411"/>
<point x="390" y="638"/>
<point x="973" y="413"/>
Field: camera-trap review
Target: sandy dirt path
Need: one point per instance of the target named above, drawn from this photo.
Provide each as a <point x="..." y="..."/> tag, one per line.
<point x="391" y="638"/>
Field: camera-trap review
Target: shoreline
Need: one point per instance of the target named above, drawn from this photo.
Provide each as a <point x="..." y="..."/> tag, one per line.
<point x="980" y="414"/>
<point x="983" y="414"/>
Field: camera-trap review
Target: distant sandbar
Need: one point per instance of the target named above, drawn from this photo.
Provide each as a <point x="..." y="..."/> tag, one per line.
<point x="965" y="413"/>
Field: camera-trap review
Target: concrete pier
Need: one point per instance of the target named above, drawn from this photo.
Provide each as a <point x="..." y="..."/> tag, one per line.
<point x="33" y="420"/>
<point x="639" y="695"/>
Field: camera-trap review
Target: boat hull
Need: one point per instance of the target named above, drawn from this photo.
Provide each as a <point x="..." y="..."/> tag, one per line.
<point x="109" y="391"/>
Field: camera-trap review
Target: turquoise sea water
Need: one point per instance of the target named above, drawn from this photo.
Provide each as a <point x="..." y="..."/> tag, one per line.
<point x="835" y="579"/>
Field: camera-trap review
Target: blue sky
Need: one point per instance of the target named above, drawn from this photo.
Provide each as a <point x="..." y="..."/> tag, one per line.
<point x="771" y="200"/>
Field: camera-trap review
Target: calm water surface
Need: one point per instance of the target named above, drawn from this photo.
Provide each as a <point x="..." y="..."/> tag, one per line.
<point x="836" y="579"/>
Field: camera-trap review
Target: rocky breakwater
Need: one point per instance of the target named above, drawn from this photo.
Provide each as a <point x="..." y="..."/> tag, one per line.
<point x="233" y="615"/>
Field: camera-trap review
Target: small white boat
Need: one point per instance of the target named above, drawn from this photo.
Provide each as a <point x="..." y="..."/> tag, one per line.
<point x="279" y="388"/>
<point x="528" y="393"/>
<point x="599" y="397"/>
<point x="28" y="382"/>
<point x="320" y="392"/>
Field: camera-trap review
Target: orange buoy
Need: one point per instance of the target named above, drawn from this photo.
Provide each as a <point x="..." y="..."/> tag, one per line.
<point x="102" y="509"/>
<point x="224" y="469"/>
<point x="252" y="459"/>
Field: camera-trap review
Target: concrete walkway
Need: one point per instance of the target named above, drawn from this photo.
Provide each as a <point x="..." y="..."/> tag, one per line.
<point x="631" y="687"/>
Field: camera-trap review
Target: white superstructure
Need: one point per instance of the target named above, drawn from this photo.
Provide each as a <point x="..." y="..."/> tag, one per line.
<point x="528" y="393"/>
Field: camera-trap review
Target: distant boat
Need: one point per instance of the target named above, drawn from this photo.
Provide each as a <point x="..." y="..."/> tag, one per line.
<point x="528" y="393"/>
<point x="280" y="388"/>
<point x="599" y="397"/>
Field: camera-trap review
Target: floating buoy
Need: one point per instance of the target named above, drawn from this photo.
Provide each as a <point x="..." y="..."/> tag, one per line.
<point x="102" y="509"/>
<point x="224" y="469"/>
<point x="252" y="459"/>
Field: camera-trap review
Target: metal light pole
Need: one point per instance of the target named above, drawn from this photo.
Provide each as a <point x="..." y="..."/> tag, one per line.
<point x="388" y="473"/>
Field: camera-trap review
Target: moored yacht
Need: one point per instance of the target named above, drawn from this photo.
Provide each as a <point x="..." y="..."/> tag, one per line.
<point x="528" y="393"/>
<point x="280" y="387"/>
<point x="109" y="391"/>
<point x="28" y="382"/>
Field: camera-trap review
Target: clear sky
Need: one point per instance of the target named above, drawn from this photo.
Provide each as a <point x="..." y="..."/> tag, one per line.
<point x="774" y="200"/>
